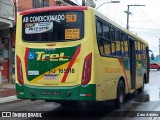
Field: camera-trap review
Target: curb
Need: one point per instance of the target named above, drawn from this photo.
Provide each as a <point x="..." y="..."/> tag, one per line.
<point x="8" y="99"/>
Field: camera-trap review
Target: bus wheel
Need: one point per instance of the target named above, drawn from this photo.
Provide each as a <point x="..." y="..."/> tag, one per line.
<point x="141" y="89"/>
<point x="120" y="95"/>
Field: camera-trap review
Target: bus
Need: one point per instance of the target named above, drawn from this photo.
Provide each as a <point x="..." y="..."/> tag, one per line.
<point x="72" y="54"/>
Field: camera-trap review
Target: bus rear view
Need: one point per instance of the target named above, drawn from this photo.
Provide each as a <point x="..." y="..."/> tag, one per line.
<point x="53" y="61"/>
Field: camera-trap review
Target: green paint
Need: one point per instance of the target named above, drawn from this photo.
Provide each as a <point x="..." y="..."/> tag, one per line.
<point x="126" y="63"/>
<point x="41" y="60"/>
<point x="60" y="93"/>
<point x="140" y="66"/>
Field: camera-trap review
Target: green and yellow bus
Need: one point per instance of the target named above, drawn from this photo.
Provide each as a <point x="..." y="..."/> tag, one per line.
<point x="74" y="53"/>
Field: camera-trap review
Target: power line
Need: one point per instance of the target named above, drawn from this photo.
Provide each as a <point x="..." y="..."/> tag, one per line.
<point x="112" y="18"/>
<point x="146" y="20"/>
<point x="146" y="32"/>
<point x="145" y="28"/>
<point x="152" y="35"/>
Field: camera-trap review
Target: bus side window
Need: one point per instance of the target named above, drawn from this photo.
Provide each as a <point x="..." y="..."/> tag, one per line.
<point x="143" y="52"/>
<point x="122" y="45"/>
<point x="101" y="47"/>
<point x="99" y="29"/>
<point x="137" y="49"/>
<point x="99" y="37"/>
<point x="125" y="43"/>
<point x="106" y="33"/>
<point x="106" y="40"/>
<point x="113" y="42"/>
<point x="118" y="41"/>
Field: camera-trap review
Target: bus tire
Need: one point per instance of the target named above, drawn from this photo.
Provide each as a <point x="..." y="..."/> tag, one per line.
<point x="119" y="101"/>
<point x="141" y="89"/>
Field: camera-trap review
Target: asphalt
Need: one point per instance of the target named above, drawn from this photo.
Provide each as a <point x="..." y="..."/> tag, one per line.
<point x="7" y="92"/>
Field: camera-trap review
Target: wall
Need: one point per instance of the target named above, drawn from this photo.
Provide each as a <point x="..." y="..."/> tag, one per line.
<point x="27" y="4"/>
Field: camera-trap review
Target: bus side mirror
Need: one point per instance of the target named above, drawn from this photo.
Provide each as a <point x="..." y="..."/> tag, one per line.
<point x="152" y="56"/>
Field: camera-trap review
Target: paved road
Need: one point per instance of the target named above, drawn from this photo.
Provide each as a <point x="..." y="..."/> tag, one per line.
<point x="147" y="101"/>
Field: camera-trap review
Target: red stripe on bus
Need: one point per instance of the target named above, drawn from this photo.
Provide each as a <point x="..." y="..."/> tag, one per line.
<point x="26" y="60"/>
<point x="124" y="72"/>
<point x="71" y="63"/>
<point x="55" y="8"/>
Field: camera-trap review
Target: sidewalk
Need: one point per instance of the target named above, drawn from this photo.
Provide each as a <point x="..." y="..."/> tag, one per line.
<point x="7" y="92"/>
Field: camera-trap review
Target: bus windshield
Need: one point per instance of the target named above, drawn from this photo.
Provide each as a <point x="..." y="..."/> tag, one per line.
<point x="53" y="26"/>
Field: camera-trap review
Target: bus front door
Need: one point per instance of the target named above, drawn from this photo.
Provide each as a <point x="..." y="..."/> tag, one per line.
<point x="132" y="63"/>
<point x="148" y="65"/>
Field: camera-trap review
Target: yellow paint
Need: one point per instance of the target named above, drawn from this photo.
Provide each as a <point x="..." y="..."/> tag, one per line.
<point x="139" y="66"/>
<point x="112" y="70"/>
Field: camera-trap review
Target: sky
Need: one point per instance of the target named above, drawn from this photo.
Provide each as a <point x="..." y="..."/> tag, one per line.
<point x="144" y="20"/>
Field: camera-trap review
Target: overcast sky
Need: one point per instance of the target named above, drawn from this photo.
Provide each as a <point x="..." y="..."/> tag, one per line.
<point x="144" y="21"/>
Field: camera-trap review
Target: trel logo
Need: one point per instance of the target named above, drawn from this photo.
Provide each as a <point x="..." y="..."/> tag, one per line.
<point x="41" y="56"/>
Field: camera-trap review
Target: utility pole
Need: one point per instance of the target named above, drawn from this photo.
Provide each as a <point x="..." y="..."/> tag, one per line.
<point x="83" y="2"/>
<point x="90" y="3"/>
<point x="128" y="13"/>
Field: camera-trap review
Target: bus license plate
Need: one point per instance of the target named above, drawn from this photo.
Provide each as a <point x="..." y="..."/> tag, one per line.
<point x="50" y="77"/>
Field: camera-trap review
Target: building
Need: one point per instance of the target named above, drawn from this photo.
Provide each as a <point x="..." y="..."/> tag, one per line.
<point x="7" y="23"/>
<point x="22" y="5"/>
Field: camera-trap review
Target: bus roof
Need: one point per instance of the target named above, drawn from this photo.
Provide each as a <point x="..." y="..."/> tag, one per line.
<point x="118" y="26"/>
<point x="54" y="8"/>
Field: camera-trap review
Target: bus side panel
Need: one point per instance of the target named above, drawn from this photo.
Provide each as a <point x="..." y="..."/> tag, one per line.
<point x="107" y="75"/>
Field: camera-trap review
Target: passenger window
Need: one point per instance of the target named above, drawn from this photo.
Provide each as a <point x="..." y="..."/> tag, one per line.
<point x="107" y="47"/>
<point x="113" y="42"/>
<point x="125" y="44"/>
<point x="106" y="33"/>
<point x="99" y="29"/>
<point x="118" y="42"/>
<point x="101" y="47"/>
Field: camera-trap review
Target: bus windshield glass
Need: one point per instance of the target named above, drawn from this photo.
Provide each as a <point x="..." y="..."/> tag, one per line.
<point x="53" y="26"/>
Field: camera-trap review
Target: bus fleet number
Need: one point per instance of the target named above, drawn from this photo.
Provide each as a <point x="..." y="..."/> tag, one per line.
<point x="72" y="70"/>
